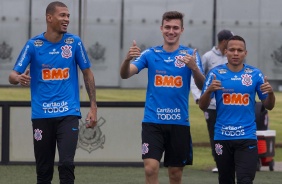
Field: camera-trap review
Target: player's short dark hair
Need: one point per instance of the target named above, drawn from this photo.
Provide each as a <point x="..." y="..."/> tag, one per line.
<point x="173" y="15"/>
<point x="224" y="35"/>
<point x="51" y="8"/>
<point x="236" y="37"/>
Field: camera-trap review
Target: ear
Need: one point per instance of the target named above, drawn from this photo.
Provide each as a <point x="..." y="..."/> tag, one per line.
<point x="182" y="30"/>
<point x="49" y="18"/>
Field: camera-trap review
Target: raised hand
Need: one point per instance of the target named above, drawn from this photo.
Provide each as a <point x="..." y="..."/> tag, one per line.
<point x="215" y="85"/>
<point x="266" y="87"/>
<point x="24" y="78"/>
<point x="134" y="51"/>
<point x="194" y="53"/>
<point x="189" y="60"/>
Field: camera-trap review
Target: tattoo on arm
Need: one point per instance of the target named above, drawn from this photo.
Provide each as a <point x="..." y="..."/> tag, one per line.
<point x="90" y="88"/>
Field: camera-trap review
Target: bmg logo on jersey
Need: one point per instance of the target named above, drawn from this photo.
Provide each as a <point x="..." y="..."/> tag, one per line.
<point x="168" y="81"/>
<point x="55" y="73"/>
<point x="235" y="99"/>
<point x="55" y="107"/>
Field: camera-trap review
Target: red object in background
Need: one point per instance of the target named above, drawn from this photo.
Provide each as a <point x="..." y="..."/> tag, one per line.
<point x="266" y="148"/>
<point x="262" y="147"/>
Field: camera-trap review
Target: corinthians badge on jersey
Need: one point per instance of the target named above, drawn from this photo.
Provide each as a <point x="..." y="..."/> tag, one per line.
<point x="90" y="139"/>
<point x="66" y="51"/>
<point x="247" y="80"/>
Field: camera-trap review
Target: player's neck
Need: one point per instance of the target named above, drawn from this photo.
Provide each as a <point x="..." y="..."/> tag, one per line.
<point x="53" y="36"/>
<point x="170" y="48"/>
<point x="235" y="68"/>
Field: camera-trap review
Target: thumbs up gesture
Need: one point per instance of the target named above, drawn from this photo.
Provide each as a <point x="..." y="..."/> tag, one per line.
<point x="215" y="84"/>
<point x="194" y="53"/>
<point x="24" y="78"/>
<point x="134" y="43"/>
<point x="26" y="72"/>
<point x="190" y="60"/>
<point x="134" y="51"/>
<point x="266" y="87"/>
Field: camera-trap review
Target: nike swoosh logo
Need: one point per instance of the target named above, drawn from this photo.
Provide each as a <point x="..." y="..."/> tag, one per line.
<point x="251" y="147"/>
<point x="74" y="129"/>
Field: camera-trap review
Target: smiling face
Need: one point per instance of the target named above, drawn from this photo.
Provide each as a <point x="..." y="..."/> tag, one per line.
<point x="58" y="21"/>
<point x="236" y="53"/>
<point x="171" y="30"/>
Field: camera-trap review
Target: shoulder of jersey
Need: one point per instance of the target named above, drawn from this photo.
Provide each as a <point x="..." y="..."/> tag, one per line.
<point x="156" y="49"/>
<point x="69" y="38"/>
<point x="251" y="69"/>
<point x="221" y="66"/>
<point x="185" y="50"/>
<point x="37" y="41"/>
<point x="220" y="69"/>
<point x="185" y="47"/>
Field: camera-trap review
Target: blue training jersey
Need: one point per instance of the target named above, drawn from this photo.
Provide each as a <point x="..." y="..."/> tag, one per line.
<point x="168" y="86"/>
<point x="236" y="101"/>
<point x="54" y="75"/>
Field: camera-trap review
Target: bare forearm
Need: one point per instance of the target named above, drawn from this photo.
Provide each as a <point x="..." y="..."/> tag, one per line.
<point x="269" y="102"/>
<point x="204" y="101"/>
<point x="199" y="78"/>
<point x="13" y="78"/>
<point x="89" y="82"/>
<point x="125" y="69"/>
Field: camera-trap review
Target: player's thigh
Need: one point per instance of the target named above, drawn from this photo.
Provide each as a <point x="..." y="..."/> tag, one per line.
<point x="224" y="157"/>
<point x="67" y="136"/>
<point x="152" y="141"/>
<point x="44" y="135"/>
<point x="246" y="157"/>
<point x="178" y="146"/>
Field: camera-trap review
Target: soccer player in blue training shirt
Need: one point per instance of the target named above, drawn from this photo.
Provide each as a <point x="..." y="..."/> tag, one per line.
<point x="53" y="57"/>
<point x="234" y="86"/>
<point x="210" y="59"/>
<point x="166" y="126"/>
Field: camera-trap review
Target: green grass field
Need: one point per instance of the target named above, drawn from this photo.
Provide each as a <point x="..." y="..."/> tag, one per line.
<point x="199" y="173"/>
<point x="123" y="175"/>
<point x="198" y="124"/>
